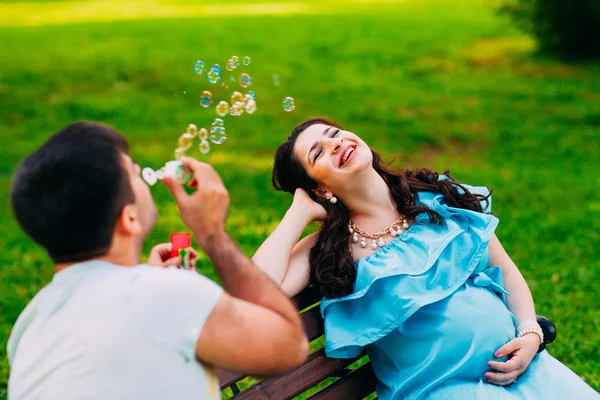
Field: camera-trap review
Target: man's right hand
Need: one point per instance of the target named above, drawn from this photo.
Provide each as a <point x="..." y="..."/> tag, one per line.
<point x="205" y="210"/>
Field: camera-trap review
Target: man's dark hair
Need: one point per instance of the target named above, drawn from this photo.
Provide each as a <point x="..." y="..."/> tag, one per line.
<point x="68" y="194"/>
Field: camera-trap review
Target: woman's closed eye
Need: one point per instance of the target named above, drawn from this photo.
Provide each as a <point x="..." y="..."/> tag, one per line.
<point x="320" y="151"/>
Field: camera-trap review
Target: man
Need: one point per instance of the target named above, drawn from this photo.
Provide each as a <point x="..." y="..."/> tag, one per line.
<point x="108" y="328"/>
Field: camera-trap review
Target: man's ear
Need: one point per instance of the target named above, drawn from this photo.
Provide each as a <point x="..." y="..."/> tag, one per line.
<point x="128" y="223"/>
<point x="323" y="193"/>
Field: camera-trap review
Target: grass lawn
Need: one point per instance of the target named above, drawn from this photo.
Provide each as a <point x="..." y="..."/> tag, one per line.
<point x="445" y="84"/>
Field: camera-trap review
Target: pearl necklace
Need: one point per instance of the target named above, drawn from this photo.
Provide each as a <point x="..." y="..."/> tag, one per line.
<point x="360" y="236"/>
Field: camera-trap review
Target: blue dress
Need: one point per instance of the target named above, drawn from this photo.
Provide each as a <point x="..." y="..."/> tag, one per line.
<point x="430" y="312"/>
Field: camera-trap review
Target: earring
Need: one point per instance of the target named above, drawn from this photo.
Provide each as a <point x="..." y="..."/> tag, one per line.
<point x="333" y="199"/>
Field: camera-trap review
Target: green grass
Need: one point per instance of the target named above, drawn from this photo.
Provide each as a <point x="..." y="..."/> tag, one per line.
<point x="437" y="83"/>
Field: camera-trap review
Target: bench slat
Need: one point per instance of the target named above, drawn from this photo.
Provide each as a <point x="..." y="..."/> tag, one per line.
<point x="316" y="368"/>
<point x="356" y="385"/>
<point x="227" y="378"/>
<point x="313" y="323"/>
<point x="313" y="326"/>
<point x="306" y="298"/>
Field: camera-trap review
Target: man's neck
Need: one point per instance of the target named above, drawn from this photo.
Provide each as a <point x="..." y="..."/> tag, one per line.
<point x="125" y="255"/>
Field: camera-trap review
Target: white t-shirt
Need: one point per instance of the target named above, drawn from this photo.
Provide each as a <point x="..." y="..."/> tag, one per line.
<point x="103" y="331"/>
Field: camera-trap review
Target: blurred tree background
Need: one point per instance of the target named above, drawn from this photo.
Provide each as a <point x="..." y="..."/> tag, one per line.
<point x="567" y="29"/>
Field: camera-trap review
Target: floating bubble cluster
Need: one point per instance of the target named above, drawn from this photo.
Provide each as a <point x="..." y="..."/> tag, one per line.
<point x="185" y="141"/>
<point x="214" y="75"/>
<point x="222" y="108"/>
<point x="206" y="99"/>
<point x="246" y="61"/>
<point x="245" y="80"/>
<point x="199" y="67"/>
<point x="237" y="109"/>
<point x="233" y="63"/>
<point x="203" y="134"/>
<point x="250" y="107"/>
<point x="192" y="129"/>
<point x="204" y="146"/>
<point x="289" y="104"/>
<point x="217" y="131"/>
<point x="236" y="97"/>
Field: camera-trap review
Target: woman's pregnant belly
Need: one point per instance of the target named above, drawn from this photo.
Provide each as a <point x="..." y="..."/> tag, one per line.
<point x="451" y="339"/>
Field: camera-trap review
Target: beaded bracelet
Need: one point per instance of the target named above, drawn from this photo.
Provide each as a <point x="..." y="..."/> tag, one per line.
<point x="530" y="326"/>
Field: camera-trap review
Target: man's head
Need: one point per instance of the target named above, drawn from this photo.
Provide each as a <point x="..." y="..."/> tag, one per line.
<point x="80" y="191"/>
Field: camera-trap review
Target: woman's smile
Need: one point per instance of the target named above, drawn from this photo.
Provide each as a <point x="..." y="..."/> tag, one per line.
<point x="347" y="155"/>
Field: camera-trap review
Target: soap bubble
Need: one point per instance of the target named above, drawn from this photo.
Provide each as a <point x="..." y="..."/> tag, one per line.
<point x="245" y="80"/>
<point x="192" y="129"/>
<point x="236" y="97"/>
<point x="217" y="134"/>
<point x="185" y="141"/>
<point x="206" y="99"/>
<point x="204" y="146"/>
<point x="233" y="63"/>
<point x="248" y="98"/>
<point x="199" y="67"/>
<point x="289" y="104"/>
<point x="202" y="134"/>
<point x="222" y="108"/>
<point x="237" y="109"/>
<point x="217" y="130"/>
<point x="251" y="107"/>
<point x="251" y="93"/>
<point x="149" y="176"/>
<point x="217" y="67"/>
<point x="214" y="75"/>
<point x="218" y="122"/>
<point x="246" y="60"/>
<point x="179" y="152"/>
<point x="180" y="171"/>
<point x="219" y="140"/>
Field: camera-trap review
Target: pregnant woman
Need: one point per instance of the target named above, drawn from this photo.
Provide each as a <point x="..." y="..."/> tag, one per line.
<point x="410" y="270"/>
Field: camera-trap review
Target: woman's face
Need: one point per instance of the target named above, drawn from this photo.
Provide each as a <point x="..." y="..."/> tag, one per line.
<point x="332" y="156"/>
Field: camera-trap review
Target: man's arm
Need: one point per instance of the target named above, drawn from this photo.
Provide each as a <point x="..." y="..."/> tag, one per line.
<point x="253" y="328"/>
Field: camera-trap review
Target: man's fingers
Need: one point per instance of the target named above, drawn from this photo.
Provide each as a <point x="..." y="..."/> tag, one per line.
<point x="200" y="169"/>
<point x="175" y="187"/>
<point x="175" y="262"/>
<point x="507" y="366"/>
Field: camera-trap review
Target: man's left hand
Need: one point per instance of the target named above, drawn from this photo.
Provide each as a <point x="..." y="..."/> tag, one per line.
<point x="521" y="351"/>
<point x="160" y="256"/>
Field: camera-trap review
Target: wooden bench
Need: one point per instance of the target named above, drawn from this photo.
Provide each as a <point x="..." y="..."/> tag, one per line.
<point x="353" y="383"/>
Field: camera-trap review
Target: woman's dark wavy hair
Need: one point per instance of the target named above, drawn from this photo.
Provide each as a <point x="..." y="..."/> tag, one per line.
<point x="331" y="263"/>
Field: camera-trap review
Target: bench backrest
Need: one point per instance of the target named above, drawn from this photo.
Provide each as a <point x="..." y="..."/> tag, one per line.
<point x="353" y="383"/>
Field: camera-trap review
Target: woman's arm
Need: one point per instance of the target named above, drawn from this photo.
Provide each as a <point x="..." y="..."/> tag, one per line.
<point x="281" y="256"/>
<point x="520" y="302"/>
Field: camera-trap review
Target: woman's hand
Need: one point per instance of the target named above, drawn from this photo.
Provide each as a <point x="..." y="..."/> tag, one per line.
<point x="305" y="204"/>
<point x="522" y="351"/>
<point x="160" y="256"/>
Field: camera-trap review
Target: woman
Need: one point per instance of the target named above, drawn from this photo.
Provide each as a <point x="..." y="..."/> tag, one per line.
<point x="411" y="270"/>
